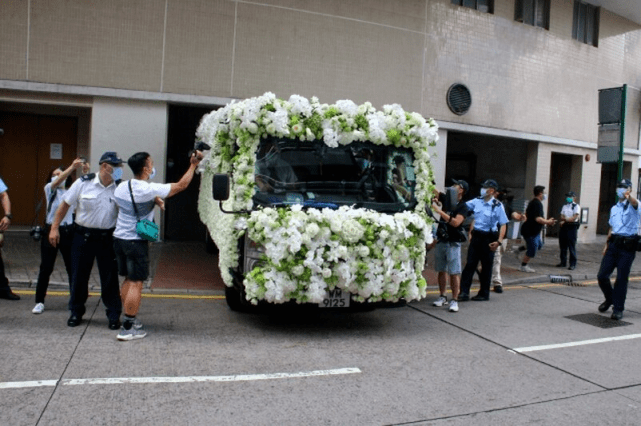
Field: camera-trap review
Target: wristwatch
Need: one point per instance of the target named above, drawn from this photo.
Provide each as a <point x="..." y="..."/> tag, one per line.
<point x="10" y="216"/>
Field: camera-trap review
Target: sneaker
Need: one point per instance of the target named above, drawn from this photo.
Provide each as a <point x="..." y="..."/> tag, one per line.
<point x="453" y="306"/>
<point x="137" y="324"/>
<point x="131" y="334"/>
<point x="441" y="301"/>
<point x="526" y="268"/>
<point x="39" y="308"/>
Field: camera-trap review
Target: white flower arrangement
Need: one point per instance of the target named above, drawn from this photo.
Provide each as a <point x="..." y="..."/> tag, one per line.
<point x="374" y="256"/>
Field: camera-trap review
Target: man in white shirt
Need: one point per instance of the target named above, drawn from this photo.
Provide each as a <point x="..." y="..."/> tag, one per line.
<point x="96" y="211"/>
<point x="132" y="251"/>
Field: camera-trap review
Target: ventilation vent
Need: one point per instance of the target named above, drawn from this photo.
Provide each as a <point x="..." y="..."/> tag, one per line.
<point x="459" y="99"/>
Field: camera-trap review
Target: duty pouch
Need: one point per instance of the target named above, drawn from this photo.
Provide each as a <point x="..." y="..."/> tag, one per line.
<point x="146" y="229"/>
<point x="631" y="243"/>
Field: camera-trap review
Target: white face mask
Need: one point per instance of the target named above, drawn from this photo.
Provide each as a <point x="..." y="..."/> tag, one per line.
<point x="545" y="197"/>
<point x="621" y="192"/>
<point x="483" y="192"/>
<point x="153" y="173"/>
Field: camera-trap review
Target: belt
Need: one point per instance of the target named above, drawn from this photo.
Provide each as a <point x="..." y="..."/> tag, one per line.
<point x="95" y="232"/>
<point x="484" y="233"/>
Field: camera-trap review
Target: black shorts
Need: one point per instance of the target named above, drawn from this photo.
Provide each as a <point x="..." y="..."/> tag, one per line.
<point x="133" y="258"/>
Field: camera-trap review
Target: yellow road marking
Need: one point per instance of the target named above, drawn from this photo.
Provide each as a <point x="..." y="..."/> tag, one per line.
<point x="145" y="295"/>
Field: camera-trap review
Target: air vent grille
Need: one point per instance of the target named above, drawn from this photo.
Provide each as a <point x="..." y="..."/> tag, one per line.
<point x="459" y="99"/>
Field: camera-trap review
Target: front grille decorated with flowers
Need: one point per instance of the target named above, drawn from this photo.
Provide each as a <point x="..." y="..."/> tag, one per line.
<point x="317" y="237"/>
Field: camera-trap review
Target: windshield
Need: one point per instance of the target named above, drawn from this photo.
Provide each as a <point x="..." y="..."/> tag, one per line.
<point x="311" y="173"/>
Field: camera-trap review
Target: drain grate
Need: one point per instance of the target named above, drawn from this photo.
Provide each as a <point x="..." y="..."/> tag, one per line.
<point x="597" y="320"/>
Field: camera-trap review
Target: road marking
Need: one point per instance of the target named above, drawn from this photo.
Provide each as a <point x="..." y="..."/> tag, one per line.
<point x="144" y="295"/>
<point x="571" y="344"/>
<point x="185" y="379"/>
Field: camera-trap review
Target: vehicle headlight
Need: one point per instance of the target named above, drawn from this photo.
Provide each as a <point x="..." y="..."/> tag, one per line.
<point x="254" y="253"/>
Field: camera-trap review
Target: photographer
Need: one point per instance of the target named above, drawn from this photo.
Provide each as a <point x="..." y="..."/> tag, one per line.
<point x="48" y="253"/>
<point x="136" y="200"/>
<point x="450" y="234"/>
<point x="5" y="290"/>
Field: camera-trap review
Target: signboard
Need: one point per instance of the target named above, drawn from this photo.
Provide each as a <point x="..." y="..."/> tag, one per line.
<point x="610" y="101"/>
<point x="55" y="152"/>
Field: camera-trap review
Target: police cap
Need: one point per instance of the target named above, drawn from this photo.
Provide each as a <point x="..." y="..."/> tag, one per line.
<point x="624" y="183"/>
<point x="570" y="194"/>
<point x="110" y="157"/>
<point x="462" y="184"/>
<point x="490" y="183"/>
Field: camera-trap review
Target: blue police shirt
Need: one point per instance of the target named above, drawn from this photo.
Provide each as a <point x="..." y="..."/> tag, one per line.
<point x="3" y="187"/>
<point x="488" y="216"/>
<point x="624" y="219"/>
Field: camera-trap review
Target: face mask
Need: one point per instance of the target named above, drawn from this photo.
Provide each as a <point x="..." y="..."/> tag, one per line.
<point x="545" y="197"/>
<point x="621" y="192"/>
<point x="483" y="192"/>
<point x="153" y="173"/>
<point x="54" y="178"/>
<point x="117" y="173"/>
<point x="569" y="200"/>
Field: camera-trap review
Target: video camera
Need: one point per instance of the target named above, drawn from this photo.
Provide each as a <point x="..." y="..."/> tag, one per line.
<point x="36" y="233"/>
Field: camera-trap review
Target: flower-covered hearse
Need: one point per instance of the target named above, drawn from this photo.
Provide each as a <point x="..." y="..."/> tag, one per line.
<point x="317" y="204"/>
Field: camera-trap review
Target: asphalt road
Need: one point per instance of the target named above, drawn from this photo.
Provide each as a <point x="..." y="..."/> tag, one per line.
<point x="202" y="364"/>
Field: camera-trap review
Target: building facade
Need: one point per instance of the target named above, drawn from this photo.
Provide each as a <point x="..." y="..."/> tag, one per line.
<point x="82" y="77"/>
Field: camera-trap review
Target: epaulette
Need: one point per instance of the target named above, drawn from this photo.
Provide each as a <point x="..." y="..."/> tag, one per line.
<point x="90" y="176"/>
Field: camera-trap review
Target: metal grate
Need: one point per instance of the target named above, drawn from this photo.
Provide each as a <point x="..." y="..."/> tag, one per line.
<point x="459" y="99"/>
<point x="597" y="320"/>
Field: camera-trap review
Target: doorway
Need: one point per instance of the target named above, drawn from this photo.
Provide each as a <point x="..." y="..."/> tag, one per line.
<point x="565" y="176"/>
<point x="182" y="222"/>
<point x="607" y="196"/>
<point x="32" y="145"/>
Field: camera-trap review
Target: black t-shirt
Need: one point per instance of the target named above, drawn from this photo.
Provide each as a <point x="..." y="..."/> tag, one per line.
<point x="457" y="234"/>
<point x="531" y="227"/>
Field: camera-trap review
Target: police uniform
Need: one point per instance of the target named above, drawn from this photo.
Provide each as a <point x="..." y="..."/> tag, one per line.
<point x="96" y="213"/>
<point x="620" y="253"/>
<point x="568" y="233"/>
<point x="48" y="253"/>
<point x="489" y="216"/>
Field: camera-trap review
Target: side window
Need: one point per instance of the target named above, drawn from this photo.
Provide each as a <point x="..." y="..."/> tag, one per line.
<point x="585" y="27"/>
<point x="485" y="6"/>
<point x="533" y="12"/>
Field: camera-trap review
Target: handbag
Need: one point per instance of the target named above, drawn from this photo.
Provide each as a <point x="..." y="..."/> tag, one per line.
<point x="146" y="229"/>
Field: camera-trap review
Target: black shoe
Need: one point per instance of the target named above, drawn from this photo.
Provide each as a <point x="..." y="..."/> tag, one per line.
<point x="463" y="297"/>
<point x="479" y="298"/>
<point x="617" y="315"/>
<point x="74" y="320"/>
<point x="114" y="324"/>
<point x="561" y="265"/>
<point x="9" y="295"/>
<point x="605" y="306"/>
<point x="498" y="288"/>
<point x="572" y="267"/>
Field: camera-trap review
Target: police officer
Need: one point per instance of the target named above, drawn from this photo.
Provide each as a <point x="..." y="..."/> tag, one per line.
<point x="489" y="230"/>
<point x="96" y="213"/>
<point x="619" y="250"/>
<point x="5" y="290"/>
<point x="569" y="227"/>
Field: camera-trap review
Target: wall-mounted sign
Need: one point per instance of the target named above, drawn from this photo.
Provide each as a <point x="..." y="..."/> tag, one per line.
<point x="585" y="211"/>
<point x="55" y="152"/>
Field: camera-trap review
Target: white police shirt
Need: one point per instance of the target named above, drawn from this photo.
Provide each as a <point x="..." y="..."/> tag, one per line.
<point x="94" y="203"/>
<point x="570" y="209"/>
<point x="144" y="195"/>
<point x="3" y="187"/>
<point x="51" y="212"/>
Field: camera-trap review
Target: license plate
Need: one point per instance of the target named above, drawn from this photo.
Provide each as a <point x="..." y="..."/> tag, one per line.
<point x="336" y="298"/>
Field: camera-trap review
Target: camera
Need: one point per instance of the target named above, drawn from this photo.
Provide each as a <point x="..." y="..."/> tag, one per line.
<point x="36" y="233"/>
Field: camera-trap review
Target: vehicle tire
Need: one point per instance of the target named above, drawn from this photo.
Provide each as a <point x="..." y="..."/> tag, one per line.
<point x="234" y="298"/>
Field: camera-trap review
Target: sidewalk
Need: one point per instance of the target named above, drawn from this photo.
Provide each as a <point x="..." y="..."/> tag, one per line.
<point x="186" y="267"/>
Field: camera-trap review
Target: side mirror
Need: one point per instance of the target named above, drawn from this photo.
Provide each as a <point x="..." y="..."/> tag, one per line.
<point x="221" y="186"/>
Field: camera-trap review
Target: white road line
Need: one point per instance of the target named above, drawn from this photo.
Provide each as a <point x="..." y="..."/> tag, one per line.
<point x="579" y="343"/>
<point x="186" y="379"/>
<point x="31" y="384"/>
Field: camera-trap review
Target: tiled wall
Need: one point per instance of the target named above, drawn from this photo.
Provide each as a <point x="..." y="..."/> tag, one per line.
<point x="522" y="78"/>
